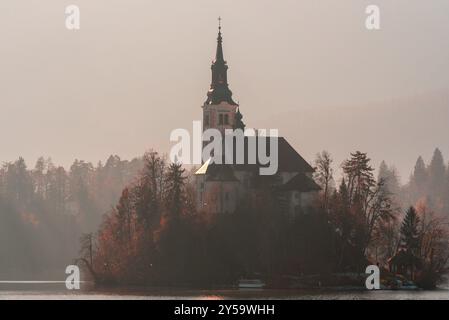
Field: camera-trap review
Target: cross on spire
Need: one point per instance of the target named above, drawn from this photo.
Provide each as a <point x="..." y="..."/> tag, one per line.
<point x="219" y="90"/>
<point x="219" y="55"/>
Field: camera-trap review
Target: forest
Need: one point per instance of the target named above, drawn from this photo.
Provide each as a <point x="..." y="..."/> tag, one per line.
<point x="135" y="223"/>
<point x="44" y="211"/>
<point x="155" y="235"/>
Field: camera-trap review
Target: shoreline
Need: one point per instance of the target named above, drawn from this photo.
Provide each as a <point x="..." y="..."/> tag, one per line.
<point x="230" y="294"/>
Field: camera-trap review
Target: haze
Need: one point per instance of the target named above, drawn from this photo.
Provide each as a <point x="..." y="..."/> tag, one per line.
<point x="138" y="69"/>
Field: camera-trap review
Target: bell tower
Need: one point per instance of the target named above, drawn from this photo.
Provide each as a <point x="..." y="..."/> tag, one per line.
<point x="219" y="110"/>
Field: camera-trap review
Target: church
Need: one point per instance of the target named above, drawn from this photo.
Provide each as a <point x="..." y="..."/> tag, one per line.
<point x="221" y="187"/>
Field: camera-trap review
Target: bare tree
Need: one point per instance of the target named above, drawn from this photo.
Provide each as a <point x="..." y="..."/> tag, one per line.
<point x="434" y="246"/>
<point x="324" y="174"/>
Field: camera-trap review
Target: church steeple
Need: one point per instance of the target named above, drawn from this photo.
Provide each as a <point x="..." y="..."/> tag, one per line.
<point x="219" y="90"/>
<point x="219" y="54"/>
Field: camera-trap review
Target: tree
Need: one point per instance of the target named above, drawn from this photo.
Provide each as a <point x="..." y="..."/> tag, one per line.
<point x="359" y="176"/>
<point x="418" y="181"/>
<point x="39" y="177"/>
<point x="437" y="172"/>
<point x="81" y="178"/>
<point x="56" y="189"/>
<point x="149" y="190"/>
<point x="420" y="172"/>
<point x="390" y="176"/>
<point x="124" y="211"/>
<point x="44" y="209"/>
<point x="410" y="232"/>
<point x="324" y="174"/>
<point x="19" y="183"/>
<point x="175" y="195"/>
<point x="86" y="247"/>
<point x="369" y="201"/>
<point x="433" y="247"/>
<point x="446" y="193"/>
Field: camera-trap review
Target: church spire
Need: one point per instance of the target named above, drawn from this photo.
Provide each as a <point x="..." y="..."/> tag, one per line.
<point x="219" y="54"/>
<point x="219" y="90"/>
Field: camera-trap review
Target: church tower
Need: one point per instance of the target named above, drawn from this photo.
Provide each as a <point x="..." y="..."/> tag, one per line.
<point x="219" y="110"/>
<point x="221" y="186"/>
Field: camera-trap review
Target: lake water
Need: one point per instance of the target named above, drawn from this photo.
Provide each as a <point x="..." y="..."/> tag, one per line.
<point x="174" y="294"/>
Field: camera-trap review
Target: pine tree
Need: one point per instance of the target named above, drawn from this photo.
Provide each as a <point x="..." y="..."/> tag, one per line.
<point x="420" y="173"/>
<point x="124" y="215"/>
<point x="390" y="176"/>
<point x="383" y="170"/>
<point x="175" y="191"/>
<point x="359" y="175"/>
<point x="418" y="181"/>
<point x="38" y="177"/>
<point x="150" y="189"/>
<point x="410" y="231"/>
<point x="437" y="172"/>
<point x="446" y="193"/>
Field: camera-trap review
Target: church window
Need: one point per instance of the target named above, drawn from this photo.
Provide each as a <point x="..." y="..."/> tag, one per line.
<point x="226" y="119"/>
<point x="206" y="120"/>
<point x="220" y="119"/>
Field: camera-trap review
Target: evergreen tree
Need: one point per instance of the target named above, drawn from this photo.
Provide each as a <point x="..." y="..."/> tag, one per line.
<point x="149" y="190"/>
<point x="410" y="232"/>
<point x="124" y="215"/>
<point x="175" y="195"/>
<point x="388" y="175"/>
<point x="19" y="183"/>
<point x="359" y="176"/>
<point x="343" y="192"/>
<point x="446" y="192"/>
<point x="420" y="173"/>
<point x="417" y="187"/>
<point x="437" y="172"/>
<point x="39" y="177"/>
<point x="383" y="170"/>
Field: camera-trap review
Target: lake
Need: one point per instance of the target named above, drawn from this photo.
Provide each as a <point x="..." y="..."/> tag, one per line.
<point x="174" y="294"/>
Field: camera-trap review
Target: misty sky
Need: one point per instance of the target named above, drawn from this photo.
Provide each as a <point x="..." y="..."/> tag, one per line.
<point x="138" y="69"/>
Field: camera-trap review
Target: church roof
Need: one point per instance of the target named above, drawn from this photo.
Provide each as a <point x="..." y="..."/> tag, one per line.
<point x="301" y="183"/>
<point x="288" y="159"/>
<point x="223" y="173"/>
